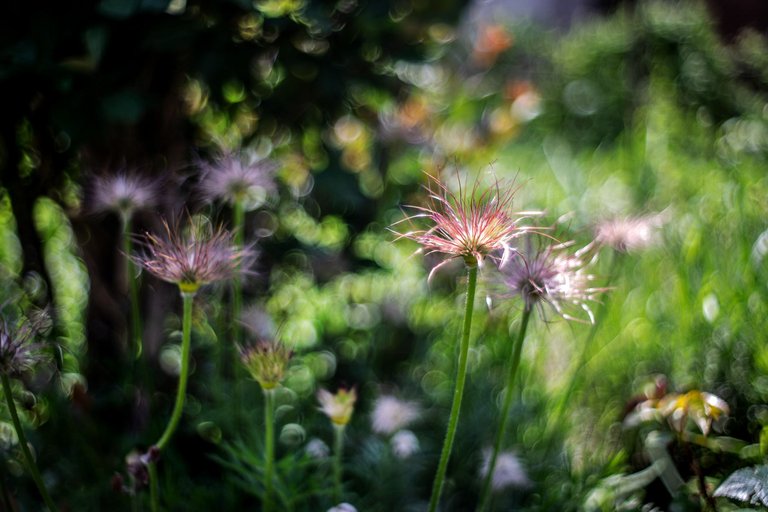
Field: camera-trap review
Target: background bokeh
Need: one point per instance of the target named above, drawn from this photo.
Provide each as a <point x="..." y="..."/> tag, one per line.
<point x="644" y="108"/>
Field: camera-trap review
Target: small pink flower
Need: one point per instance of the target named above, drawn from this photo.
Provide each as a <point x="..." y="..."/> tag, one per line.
<point x="508" y="472"/>
<point x="468" y="225"/>
<point x="391" y="414"/>
<point x="233" y="180"/>
<point x="629" y="234"/>
<point x="123" y="193"/>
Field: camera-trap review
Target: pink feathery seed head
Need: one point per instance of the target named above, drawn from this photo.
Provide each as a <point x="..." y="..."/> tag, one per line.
<point x="551" y="275"/>
<point x="233" y="179"/>
<point x="469" y="224"/>
<point x="629" y="234"/>
<point x="18" y="351"/>
<point x="123" y="192"/>
<point x="194" y="256"/>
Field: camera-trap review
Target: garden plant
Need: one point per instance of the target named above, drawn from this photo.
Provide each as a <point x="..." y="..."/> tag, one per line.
<point x="382" y="256"/>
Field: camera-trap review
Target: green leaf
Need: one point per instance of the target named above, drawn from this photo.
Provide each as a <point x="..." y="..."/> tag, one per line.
<point x="764" y="440"/>
<point x="746" y="484"/>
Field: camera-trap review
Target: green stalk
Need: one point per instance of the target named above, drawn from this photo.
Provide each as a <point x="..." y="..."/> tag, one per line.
<point x="517" y="352"/>
<point x="154" y="502"/>
<point x="181" y="393"/>
<point x="585" y="350"/>
<point x="133" y="288"/>
<point x="31" y="466"/>
<point x="269" y="446"/>
<point x="238" y="221"/>
<point x="338" y="450"/>
<point x="458" y="391"/>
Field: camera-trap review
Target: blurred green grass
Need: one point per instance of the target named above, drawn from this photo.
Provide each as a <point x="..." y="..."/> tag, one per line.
<point x="640" y="113"/>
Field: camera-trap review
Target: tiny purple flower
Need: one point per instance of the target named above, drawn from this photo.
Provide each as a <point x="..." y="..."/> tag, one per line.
<point x="123" y="193"/>
<point x="550" y="275"/>
<point x="231" y="179"/>
<point x="18" y="351"/>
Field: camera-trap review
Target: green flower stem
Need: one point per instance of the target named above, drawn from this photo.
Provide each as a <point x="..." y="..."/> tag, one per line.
<point x="269" y="446"/>
<point x="458" y="391"/>
<point x="557" y="417"/>
<point x="154" y="502"/>
<point x="338" y="451"/>
<point x="514" y="364"/>
<point x="238" y="221"/>
<point x="181" y="392"/>
<point x="31" y="466"/>
<point x="133" y="288"/>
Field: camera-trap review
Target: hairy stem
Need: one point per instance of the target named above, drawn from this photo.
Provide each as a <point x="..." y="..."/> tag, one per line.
<point x="31" y="466"/>
<point x="458" y="391"/>
<point x="269" y="446"/>
<point x="514" y="364"/>
<point x="238" y="222"/>
<point x="133" y="289"/>
<point x="338" y="451"/>
<point x="154" y="500"/>
<point x="181" y="391"/>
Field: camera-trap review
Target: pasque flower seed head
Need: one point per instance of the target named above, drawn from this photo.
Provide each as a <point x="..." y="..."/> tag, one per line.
<point x="193" y="257"/>
<point x="470" y="224"/>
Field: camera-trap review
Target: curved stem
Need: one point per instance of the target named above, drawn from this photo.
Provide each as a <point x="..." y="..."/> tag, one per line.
<point x="517" y="352"/>
<point x="338" y="450"/>
<point x="458" y="391"/>
<point x="31" y="466"/>
<point x="181" y="392"/>
<point x="269" y="446"/>
<point x="133" y="289"/>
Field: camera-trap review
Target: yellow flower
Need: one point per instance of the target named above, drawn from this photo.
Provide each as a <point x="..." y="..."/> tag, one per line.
<point x="338" y="407"/>
<point x="701" y="407"/>
<point x="266" y="361"/>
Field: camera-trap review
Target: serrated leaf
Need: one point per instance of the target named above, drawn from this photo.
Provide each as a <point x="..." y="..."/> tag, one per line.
<point x="746" y="484"/>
